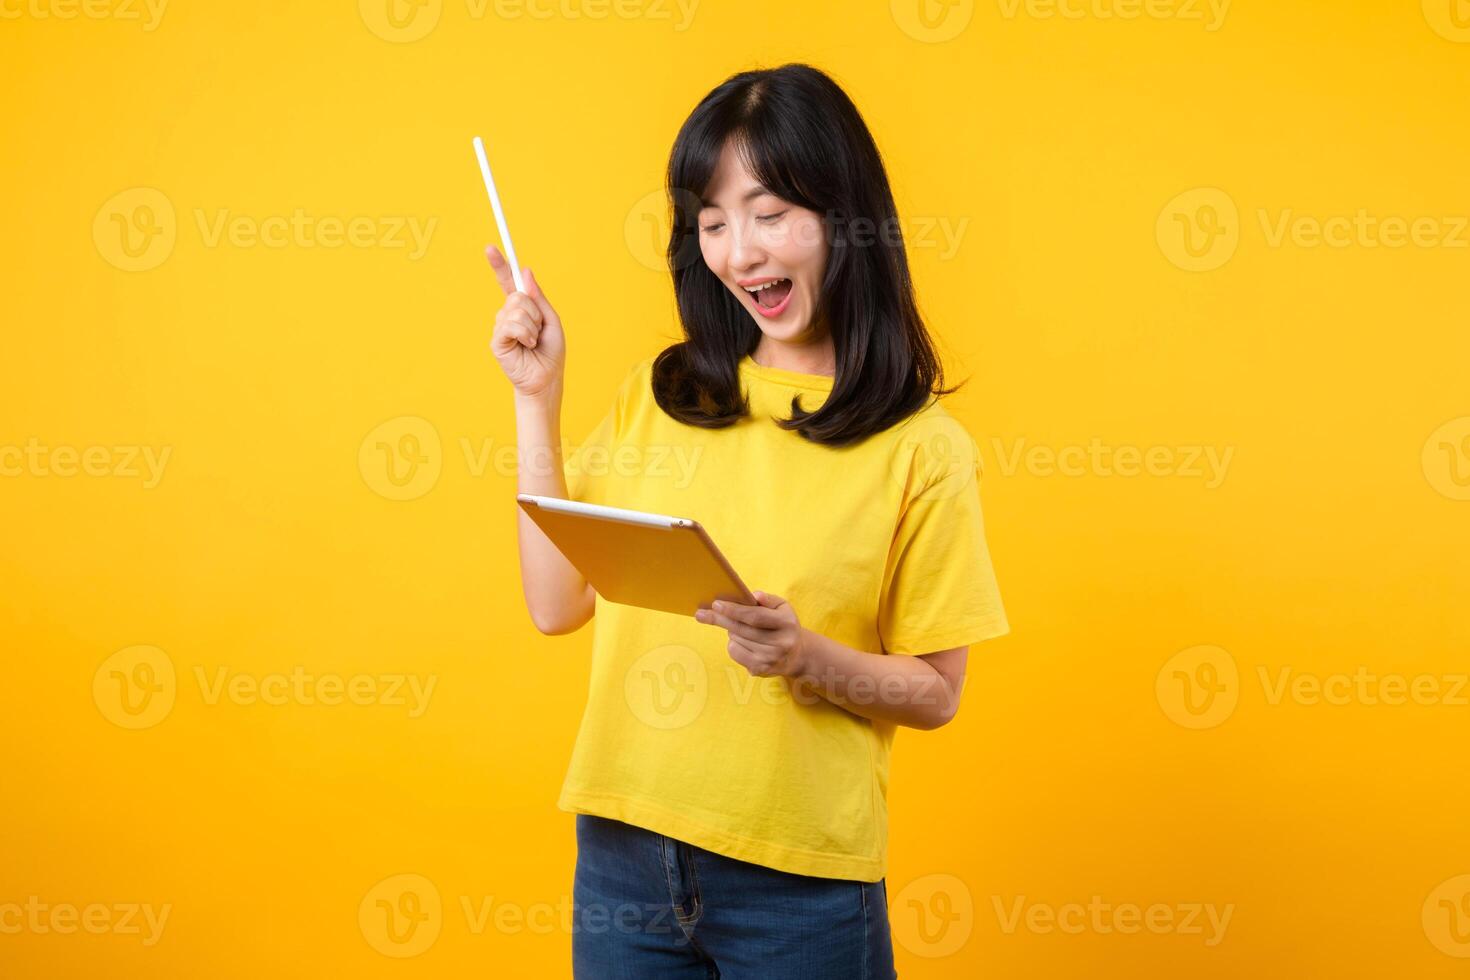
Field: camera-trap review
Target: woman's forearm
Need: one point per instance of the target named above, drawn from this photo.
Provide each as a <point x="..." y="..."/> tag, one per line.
<point x="901" y="689"/>
<point x="558" y="597"/>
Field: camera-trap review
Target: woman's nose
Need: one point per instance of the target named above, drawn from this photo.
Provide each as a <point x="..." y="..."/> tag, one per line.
<point x="745" y="248"/>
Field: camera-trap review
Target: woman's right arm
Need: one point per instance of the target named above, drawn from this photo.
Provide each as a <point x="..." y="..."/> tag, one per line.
<point x="530" y="346"/>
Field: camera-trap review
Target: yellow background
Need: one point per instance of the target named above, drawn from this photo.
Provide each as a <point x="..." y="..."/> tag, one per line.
<point x="1073" y="151"/>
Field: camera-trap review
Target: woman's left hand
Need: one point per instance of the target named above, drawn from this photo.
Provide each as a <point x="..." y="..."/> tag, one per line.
<point x="766" y="639"/>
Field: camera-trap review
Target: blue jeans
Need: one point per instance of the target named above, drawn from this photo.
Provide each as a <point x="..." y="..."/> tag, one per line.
<point x="649" y="907"/>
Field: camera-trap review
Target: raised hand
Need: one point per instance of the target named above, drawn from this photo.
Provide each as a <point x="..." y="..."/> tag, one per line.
<point x="528" y="340"/>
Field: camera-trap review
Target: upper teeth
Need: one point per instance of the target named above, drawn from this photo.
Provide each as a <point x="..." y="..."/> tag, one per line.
<point x="768" y="285"/>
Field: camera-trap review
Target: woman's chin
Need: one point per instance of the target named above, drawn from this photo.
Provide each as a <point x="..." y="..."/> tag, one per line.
<point x="790" y="325"/>
<point x="786" y="334"/>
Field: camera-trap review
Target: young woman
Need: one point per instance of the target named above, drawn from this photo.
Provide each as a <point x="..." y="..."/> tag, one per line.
<point x="730" y="774"/>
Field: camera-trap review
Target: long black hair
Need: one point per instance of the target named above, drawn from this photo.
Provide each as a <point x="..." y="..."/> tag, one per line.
<point x="801" y="136"/>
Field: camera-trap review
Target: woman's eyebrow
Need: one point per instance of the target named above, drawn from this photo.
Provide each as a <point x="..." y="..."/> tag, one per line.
<point x="750" y="195"/>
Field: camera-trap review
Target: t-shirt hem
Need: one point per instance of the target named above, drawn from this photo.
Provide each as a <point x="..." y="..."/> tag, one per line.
<point x="986" y="629"/>
<point x="680" y="827"/>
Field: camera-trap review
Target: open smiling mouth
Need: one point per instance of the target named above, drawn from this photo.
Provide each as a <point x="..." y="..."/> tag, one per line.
<point x="771" y="296"/>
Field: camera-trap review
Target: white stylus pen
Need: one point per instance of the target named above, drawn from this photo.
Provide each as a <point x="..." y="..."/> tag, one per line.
<point x="510" y="250"/>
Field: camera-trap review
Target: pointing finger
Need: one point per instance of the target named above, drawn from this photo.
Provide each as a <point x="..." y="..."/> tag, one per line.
<point x="503" y="274"/>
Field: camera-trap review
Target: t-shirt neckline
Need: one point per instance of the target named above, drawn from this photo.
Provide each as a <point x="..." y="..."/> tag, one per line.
<point x="816" y="382"/>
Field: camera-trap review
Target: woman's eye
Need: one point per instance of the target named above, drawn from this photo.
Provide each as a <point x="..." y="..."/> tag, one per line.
<point x="711" y="229"/>
<point x="770" y="217"/>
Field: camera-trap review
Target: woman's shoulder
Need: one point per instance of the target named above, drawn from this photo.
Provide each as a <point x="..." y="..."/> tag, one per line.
<point x="933" y="421"/>
<point x="931" y="447"/>
<point x="643" y="369"/>
<point x="637" y="380"/>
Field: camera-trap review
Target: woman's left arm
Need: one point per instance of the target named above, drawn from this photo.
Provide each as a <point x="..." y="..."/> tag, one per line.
<point x="769" y="641"/>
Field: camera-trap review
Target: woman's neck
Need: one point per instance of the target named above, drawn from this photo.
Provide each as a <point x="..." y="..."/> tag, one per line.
<point x="818" y="357"/>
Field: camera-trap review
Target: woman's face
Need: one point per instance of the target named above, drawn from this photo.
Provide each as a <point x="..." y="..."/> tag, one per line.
<point x="770" y="253"/>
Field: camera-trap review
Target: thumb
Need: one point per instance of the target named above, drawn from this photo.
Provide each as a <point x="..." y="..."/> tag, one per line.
<point x="768" y="600"/>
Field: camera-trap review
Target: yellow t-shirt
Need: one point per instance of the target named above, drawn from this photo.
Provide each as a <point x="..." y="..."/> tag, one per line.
<point x="879" y="546"/>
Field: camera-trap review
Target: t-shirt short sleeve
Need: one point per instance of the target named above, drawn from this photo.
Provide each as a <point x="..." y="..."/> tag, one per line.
<point x="588" y="463"/>
<point x="939" y="589"/>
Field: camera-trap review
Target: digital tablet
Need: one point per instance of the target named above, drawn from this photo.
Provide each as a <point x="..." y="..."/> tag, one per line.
<point x="636" y="558"/>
